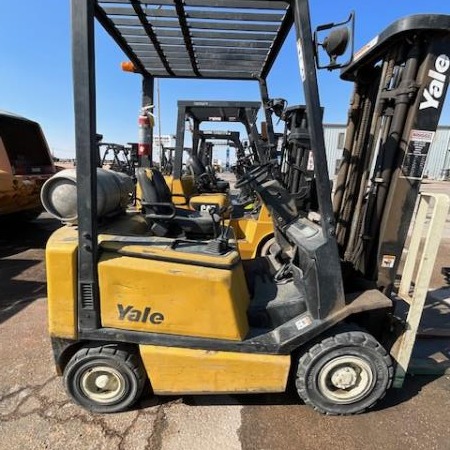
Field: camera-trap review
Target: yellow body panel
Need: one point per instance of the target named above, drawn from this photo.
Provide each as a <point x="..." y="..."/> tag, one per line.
<point x="182" y="189"/>
<point x="186" y="371"/>
<point x="184" y="194"/>
<point x="168" y="295"/>
<point x="61" y="267"/>
<point x="251" y="232"/>
<point x="202" y="201"/>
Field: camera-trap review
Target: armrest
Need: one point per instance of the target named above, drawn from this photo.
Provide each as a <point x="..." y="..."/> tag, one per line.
<point x="168" y="216"/>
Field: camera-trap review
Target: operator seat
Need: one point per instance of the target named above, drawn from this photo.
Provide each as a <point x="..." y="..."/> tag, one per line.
<point x="166" y="219"/>
<point x="205" y="176"/>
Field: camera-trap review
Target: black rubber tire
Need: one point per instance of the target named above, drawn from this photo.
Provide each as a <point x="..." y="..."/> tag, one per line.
<point x="356" y="345"/>
<point x="265" y="247"/>
<point x="121" y="360"/>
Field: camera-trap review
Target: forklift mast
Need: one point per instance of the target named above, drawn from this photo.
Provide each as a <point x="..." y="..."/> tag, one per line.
<point x="401" y="78"/>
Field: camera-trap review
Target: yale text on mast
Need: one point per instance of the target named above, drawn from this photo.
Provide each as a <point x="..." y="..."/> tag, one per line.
<point x="436" y="88"/>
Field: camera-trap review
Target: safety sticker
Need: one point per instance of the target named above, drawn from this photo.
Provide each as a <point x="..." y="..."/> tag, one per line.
<point x="301" y="64"/>
<point x="303" y="322"/>
<point x="416" y="154"/>
<point x="388" y="261"/>
<point x="422" y="136"/>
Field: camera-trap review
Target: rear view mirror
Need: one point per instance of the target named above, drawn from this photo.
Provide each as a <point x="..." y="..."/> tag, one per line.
<point x="339" y="42"/>
<point x="277" y="106"/>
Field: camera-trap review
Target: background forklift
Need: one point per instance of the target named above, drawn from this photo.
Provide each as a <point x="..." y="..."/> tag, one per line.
<point x="196" y="113"/>
<point x="198" y="187"/>
<point x="125" y="307"/>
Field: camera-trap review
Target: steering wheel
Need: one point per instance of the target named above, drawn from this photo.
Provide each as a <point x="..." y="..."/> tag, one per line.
<point x="252" y="175"/>
<point x="212" y="175"/>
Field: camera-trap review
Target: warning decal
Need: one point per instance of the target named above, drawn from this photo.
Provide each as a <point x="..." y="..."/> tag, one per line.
<point x="388" y="261"/>
<point x="416" y="154"/>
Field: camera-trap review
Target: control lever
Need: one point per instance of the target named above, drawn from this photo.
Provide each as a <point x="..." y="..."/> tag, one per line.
<point x="220" y="242"/>
<point x="212" y="211"/>
<point x="225" y="230"/>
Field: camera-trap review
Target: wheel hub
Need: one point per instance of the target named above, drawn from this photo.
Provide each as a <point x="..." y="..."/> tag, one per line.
<point x="344" y="378"/>
<point x="103" y="384"/>
<point x="103" y="381"/>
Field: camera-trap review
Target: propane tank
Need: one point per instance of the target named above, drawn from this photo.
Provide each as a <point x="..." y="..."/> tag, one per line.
<point x="59" y="194"/>
<point x="146" y="121"/>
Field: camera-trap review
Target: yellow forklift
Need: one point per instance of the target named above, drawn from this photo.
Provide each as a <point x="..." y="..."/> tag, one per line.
<point x="187" y="316"/>
<point x="198" y="187"/>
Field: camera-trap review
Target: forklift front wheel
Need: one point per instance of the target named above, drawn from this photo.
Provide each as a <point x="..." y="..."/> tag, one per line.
<point x="265" y="248"/>
<point x="104" y="378"/>
<point x="344" y="374"/>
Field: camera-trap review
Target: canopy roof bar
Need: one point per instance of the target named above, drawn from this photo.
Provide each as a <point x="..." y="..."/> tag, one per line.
<point x="128" y="30"/>
<point x="180" y="11"/>
<point x="110" y="28"/>
<point x="151" y="34"/>
<point x="195" y="38"/>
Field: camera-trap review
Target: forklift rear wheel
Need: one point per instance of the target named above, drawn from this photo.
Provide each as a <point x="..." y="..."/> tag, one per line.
<point x="105" y="378"/>
<point x="344" y="374"/>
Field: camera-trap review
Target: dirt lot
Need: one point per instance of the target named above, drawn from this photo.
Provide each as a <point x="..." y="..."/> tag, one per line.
<point x="35" y="413"/>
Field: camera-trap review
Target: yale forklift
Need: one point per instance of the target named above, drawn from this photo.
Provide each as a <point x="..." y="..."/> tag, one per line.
<point x="127" y="308"/>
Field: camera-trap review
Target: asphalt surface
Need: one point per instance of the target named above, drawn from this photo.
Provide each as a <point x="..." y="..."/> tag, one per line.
<point x="35" y="412"/>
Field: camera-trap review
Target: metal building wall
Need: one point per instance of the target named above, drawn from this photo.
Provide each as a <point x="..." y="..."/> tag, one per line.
<point x="334" y="153"/>
<point x="438" y="161"/>
<point x="439" y="157"/>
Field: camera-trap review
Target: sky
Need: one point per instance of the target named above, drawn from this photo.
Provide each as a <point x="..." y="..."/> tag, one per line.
<point x="36" y="73"/>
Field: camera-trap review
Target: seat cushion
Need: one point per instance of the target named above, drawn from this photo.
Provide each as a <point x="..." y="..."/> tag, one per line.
<point x="196" y="222"/>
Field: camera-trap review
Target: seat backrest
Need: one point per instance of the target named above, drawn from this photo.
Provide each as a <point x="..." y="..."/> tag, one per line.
<point x="162" y="189"/>
<point x="154" y="188"/>
<point x="196" y="164"/>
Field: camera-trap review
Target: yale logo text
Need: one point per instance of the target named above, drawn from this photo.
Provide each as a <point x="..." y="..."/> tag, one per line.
<point x="136" y="315"/>
<point x="435" y="90"/>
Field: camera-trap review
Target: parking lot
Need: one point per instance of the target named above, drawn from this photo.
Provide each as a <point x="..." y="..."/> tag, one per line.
<point x="35" y="412"/>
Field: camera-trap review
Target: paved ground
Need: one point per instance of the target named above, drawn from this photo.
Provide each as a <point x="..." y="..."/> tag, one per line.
<point x="35" y="413"/>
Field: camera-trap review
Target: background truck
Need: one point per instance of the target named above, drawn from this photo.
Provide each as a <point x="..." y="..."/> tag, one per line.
<point x="25" y="164"/>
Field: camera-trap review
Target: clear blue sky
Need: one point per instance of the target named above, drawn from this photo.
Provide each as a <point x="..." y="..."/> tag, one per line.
<point x="36" y="74"/>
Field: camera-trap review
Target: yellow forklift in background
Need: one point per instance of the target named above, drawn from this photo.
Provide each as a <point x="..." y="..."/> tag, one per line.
<point x="188" y="316"/>
<point x="197" y="186"/>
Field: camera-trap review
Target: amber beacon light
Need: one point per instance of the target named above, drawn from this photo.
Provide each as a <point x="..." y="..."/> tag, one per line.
<point x="128" y="66"/>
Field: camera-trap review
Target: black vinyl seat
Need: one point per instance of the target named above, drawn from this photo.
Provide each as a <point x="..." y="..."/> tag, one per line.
<point x="205" y="177"/>
<point x="166" y="218"/>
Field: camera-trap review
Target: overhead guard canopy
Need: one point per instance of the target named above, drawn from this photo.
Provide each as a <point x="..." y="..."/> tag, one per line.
<point x="220" y="111"/>
<point x="224" y="39"/>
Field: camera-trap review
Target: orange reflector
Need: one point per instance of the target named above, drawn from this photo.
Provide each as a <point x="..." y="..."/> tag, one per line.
<point x="128" y="66"/>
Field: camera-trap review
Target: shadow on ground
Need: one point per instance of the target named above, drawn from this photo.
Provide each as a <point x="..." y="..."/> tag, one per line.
<point x="22" y="269"/>
<point x="413" y="386"/>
